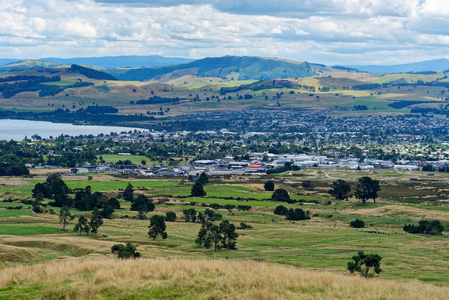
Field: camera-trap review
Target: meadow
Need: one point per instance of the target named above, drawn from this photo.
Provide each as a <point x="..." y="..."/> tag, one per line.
<point x="321" y="246"/>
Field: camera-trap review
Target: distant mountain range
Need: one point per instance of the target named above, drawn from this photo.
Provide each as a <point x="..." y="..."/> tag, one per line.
<point x="112" y="61"/>
<point x="428" y="65"/>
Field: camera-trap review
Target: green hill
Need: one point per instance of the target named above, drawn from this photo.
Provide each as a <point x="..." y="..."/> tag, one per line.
<point x="255" y="68"/>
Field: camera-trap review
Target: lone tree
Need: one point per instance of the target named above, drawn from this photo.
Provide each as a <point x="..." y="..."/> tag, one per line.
<point x="198" y="190"/>
<point x="95" y="221"/>
<point x="203" y="178"/>
<point x="128" y="193"/>
<point x="281" y="195"/>
<point x="367" y="188"/>
<point x="357" y="224"/>
<point x="189" y="214"/>
<point x="269" y="186"/>
<point x="140" y="201"/>
<point x="340" y="190"/>
<point x="364" y="262"/>
<point x="125" y="252"/>
<point x="229" y="235"/>
<point x="65" y="216"/>
<point x="82" y="225"/>
<point x="157" y="227"/>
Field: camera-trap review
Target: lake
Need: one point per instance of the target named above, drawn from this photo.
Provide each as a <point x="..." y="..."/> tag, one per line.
<point x="18" y="129"/>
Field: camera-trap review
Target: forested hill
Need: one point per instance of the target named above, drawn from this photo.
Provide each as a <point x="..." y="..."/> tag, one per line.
<point x="241" y="67"/>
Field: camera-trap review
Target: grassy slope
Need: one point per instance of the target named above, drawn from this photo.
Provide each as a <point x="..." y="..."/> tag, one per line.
<point x="108" y="278"/>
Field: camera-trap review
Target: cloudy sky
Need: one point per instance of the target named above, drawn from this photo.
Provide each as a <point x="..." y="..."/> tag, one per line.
<point x="322" y="31"/>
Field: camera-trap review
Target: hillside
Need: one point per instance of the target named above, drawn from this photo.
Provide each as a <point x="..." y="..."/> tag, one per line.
<point x="108" y="278"/>
<point x="244" y="68"/>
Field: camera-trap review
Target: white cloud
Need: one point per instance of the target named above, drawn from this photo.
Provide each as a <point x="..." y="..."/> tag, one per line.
<point x="328" y="31"/>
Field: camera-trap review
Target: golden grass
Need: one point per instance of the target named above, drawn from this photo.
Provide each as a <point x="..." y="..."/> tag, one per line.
<point x="109" y="278"/>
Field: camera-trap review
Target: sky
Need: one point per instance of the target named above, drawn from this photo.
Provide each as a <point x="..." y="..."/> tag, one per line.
<point x="345" y="32"/>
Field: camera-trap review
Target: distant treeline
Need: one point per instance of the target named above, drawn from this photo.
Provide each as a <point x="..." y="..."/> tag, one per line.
<point x="31" y="85"/>
<point x="261" y="85"/>
<point x="98" y="110"/>
<point x="65" y="116"/>
<point x="52" y="90"/>
<point x="91" y="73"/>
<point x="368" y="86"/>
<point x="156" y="100"/>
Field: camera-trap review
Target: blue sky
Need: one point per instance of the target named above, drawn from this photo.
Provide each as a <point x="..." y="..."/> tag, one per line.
<point x="321" y="31"/>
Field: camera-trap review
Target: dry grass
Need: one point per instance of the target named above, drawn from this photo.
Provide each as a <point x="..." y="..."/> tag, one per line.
<point x="108" y="278"/>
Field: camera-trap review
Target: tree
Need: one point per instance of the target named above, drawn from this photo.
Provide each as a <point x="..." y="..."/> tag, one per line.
<point x="95" y="221"/>
<point x="142" y="203"/>
<point x="269" y="186"/>
<point x="65" y="216"/>
<point x="357" y="224"/>
<point x="37" y="203"/>
<point x="281" y="195"/>
<point x="340" y="190"/>
<point x="367" y="188"/>
<point x="189" y="214"/>
<point x="203" y="178"/>
<point x="125" y="252"/>
<point x="367" y="260"/>
<point x="229" y="235"/>
<point x="198" y="190"/>
<point x="113" y="203"/>
<point x="82" y="225"/>
<point x="157" y="227"/>
<point x="170" y="216"/>
<point x="128" y="193"/>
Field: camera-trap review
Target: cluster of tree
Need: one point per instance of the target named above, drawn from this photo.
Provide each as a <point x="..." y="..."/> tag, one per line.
<point x="142" y="204"/>
<point x="83" y="224"/>
<point x="55" y="188"/>
<point x="261" y="85"/>
<point x="367" y="188"/>
<point x="12" y="165"/>
<point x="52" y="90"/>
<point x="222" y="235"/>
<point x="425" y="227"/>
<point x="296" y="214"/>
<point x="157" y="100"/>
<point x="367" y="86"/>
<point x="125" y="251"/>
<point x="31" y="85"/>
<point x="363" y="263"/>
<point x="360" y="107"/>
<point x="98" y="109"/>
<point x="287" y="167"/>
<point x="86" y="200"/>
<point x="191" y="215"/>
<point x="90" y="73"/>
<point x="65" y="116"/>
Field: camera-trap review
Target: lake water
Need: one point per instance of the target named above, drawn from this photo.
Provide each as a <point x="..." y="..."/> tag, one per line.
<point x="18" y="129"/>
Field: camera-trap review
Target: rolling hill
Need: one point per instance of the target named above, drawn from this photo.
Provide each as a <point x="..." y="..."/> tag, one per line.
<point x="242" y="68"/>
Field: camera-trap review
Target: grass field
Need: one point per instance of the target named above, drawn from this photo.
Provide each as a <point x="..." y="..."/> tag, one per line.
<point x="324" y="243"/>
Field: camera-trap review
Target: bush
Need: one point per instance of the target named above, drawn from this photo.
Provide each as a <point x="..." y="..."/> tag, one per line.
<point x="125" y="252"/>
<point x="297" y="214"/>
<point x="425" y="227"/>
<point x="357" y="224"/>
<point x="244" y="226"/>
<point x="170" y="216"/>
<point x="281" y="210"/>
